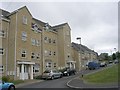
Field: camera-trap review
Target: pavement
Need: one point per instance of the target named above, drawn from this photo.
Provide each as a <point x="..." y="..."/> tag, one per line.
<point x="80" y="83"/>
<point x="28" y="82"/>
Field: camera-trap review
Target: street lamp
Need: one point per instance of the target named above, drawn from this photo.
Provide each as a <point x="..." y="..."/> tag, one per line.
<point x="79" y="38"/>
<point x="115" y="53"/>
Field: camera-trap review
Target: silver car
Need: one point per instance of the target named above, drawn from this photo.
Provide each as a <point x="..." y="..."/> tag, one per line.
<point x="51" y="74"/>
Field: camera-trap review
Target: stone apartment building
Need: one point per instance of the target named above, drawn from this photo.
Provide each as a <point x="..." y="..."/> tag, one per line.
<point x="29" y="46"/>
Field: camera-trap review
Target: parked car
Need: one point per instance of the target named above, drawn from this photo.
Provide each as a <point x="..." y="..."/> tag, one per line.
<point x="116" y="61"/>
<point x="110" y="62"/>
<point x="6" y="86"/>
<point x="51" y="74"/>
<point x="68" y="71"/>
<point x="103" y="64"/>
<point x="93" y="65"/>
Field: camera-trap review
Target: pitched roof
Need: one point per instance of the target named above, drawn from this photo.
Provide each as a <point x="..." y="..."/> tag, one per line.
<point x="60" y="25"/>
<point x="82" y="48"/>
<point x="20" y="9"/>
<point x="4" y="13"/>
<point x="40" y="22"/>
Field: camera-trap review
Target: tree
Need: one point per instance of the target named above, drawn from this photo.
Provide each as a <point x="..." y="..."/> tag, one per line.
<point x="113" y="56"/>
<point x="118" y="55"/>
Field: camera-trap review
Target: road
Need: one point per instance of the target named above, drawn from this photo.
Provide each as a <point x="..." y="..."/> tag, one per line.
<point x="57" y="83"/>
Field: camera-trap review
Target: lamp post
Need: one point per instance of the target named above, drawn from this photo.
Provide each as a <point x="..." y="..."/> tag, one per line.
<point x="115" y="53"/>
<point x="79" y="38"/>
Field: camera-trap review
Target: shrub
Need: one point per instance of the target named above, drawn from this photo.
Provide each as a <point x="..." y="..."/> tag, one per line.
<point x="38" y="77"/>
<point x="6" y="78"/>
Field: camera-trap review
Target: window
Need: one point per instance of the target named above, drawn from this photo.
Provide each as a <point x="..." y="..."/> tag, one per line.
<point x="35" y="28"/>
<point x="2" y="33"/>
<point x="45" y="39"/>
<point x="46" y="53"/>
<point x="54" y="41"/>
<point x="33" y="41"/>
<point x="37" y="56"/>
<point x="36" y="68"/>
<point x="33" y="56"/>
<point x="49" y="40"/>
<point x="1" y="69"/>
<point x="1" y="51"/>
<point x="24" y="20"/>
<point x="49" y="64"/>
<point x="23" y="53"/>
<point x="54" y="64"/>
<point x="37" y="42"/>
<point x="54" y="53"/>
<point x="24" y="36"/>
<point x="50" y="53"/>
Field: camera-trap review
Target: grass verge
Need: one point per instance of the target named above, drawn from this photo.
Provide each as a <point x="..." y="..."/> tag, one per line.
<point x="108" y="75"/>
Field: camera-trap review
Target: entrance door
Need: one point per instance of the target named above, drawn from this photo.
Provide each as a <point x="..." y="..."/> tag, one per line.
<point x="25" y="74"/>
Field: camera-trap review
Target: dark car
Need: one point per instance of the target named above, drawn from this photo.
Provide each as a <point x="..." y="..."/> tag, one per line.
<point x="93" y="65"/>
<point x="68" y="71"/>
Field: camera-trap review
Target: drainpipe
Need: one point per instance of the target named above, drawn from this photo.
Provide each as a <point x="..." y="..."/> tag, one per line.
<point x="7" y="49"/>
<point x="42" y="49"/>
<point x="15" y="45"/>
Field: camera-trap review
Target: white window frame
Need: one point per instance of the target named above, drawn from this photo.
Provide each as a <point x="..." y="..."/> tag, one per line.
<point x="24" y="36"/>
<point x="37" y="42"/>
<point x="24" y="20"/>
<point x="46" y="39"/>
<point x="2" y="33"/>
<point x="24" y="53"/>
<point x="46" y="53"/>
<point x="2" y="51"/>
<point x="33" y="41"/>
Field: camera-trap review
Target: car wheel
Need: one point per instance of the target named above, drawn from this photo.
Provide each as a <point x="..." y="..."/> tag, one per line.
<point x="12" y="87"/>
<point x="74" y="73"/>
<point x="52" y="77"/>
<point x="68" y="74"/>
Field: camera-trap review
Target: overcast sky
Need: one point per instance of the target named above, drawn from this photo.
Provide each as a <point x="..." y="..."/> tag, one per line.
<point x="95" y="22"/>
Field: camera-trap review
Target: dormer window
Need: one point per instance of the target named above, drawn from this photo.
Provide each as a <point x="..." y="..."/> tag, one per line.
<point x="35" y="27"/>
<point x="46" y="26"/>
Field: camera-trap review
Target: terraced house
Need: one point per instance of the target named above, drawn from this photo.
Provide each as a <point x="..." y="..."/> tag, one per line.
<point x="29" y="46"/>
<point x="82" y="55"/>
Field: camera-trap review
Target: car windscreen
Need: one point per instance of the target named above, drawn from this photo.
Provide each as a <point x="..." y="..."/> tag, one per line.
<point x="47" y="71"/>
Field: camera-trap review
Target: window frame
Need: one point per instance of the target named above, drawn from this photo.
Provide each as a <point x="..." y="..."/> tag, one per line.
<point x="33" y="41"/>
<point x="2" y="51"/>
<point x="24" y="36"/>
<point x="2" y="33"/>
<point x="24" y="20"/>
<point x="23" y="53"/>
<point x="33" y="56"/>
